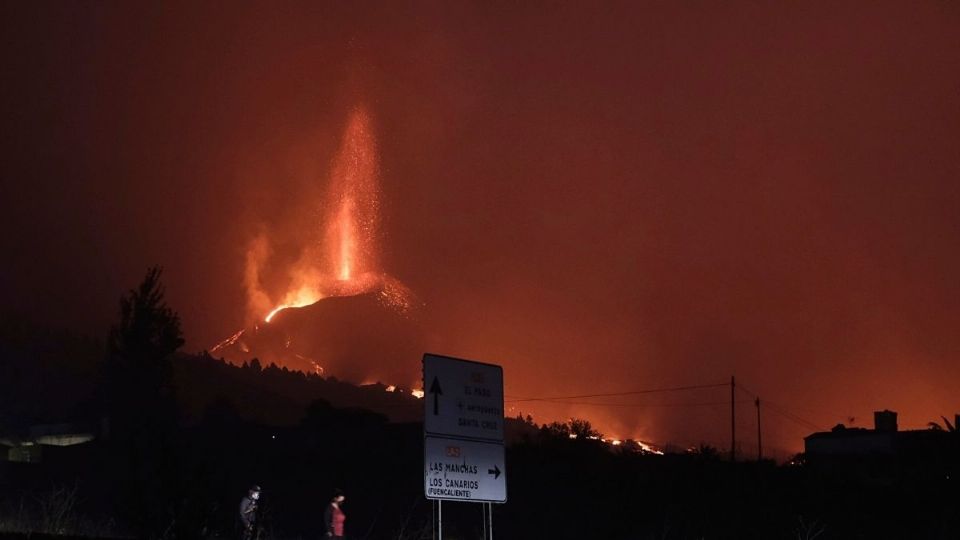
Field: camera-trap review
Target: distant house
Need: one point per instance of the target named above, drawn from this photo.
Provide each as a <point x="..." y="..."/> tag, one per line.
<point x="883" y="440"/>
<point x="29" y="449"/>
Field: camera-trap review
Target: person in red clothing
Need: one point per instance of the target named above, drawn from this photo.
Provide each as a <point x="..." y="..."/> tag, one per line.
<point x="333" y="516"/>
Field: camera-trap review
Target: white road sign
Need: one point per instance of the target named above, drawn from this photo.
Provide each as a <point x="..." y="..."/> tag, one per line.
<point x="462" y="470"/>
<point x="462" y="399"/>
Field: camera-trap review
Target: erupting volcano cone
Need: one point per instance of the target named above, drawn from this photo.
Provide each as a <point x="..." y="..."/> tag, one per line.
<point x="339" y="314"/>
<point x="362" y="337"/>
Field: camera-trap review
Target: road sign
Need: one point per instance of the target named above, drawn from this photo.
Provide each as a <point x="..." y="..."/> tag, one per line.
<point x="464" y="470"/>
<point x="463" y="458"/>
<point x="462" y="399"/>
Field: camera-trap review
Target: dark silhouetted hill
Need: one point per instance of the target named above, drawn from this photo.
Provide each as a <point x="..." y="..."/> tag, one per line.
<point x="277" y="396"/>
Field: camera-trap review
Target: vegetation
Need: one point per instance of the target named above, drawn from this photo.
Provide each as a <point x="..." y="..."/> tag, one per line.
<point x="947" y="426"/>
<point x="188" y="434"/>
<point x="141" y="405"/>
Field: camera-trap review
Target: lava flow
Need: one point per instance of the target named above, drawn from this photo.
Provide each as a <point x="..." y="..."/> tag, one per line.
<point x="338" y="260"/>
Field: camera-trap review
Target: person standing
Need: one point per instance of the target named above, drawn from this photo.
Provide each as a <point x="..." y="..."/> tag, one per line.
<point x="333" y="516"/>
<point x="248" y="513"/>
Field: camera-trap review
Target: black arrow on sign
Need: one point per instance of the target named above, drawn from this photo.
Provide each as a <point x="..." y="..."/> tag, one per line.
<point x="495" y="471"/>
<point x="437" y="392"/>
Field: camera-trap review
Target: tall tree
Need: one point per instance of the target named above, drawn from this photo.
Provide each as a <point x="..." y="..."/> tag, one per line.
<point x="139" y="356"/>
<point x="148" y="329"/>
<point x="140" y="401"/>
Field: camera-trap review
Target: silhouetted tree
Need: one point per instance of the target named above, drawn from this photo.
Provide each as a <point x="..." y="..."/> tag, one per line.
<point x="557" y="430"/>
<point x="140" y="399"/>
<point x="947" y="426"/>
<point x="140" y="346"/>
<point x="583" y="429"/>
<point x="576" y="428"/>
<point x="706" y="452"/>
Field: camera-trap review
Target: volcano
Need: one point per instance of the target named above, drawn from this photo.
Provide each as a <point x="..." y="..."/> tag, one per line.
<point x="338" y="313"/>
<point x="363" y="337"/>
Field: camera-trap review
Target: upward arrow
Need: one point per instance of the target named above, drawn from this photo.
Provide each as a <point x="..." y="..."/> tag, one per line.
<point x="437" y="392"/>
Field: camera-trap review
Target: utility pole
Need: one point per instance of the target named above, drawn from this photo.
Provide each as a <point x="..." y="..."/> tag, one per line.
<point x="759" y="436"/>
<point x="733" y="420"/>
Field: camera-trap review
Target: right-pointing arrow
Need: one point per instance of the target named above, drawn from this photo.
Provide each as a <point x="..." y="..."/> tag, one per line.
<point x="495" y="471"/>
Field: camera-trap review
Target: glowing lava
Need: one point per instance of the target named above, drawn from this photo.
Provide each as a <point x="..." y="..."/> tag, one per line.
<point x="333" y="258"/>
<point x="274" y="312"/>
<point x="340" y="259"/>
<point x="303" y="296"/>
<point x="346" y="237"/>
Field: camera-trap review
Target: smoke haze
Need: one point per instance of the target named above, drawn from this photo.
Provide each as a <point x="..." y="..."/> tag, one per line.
<point x="600" y="198"/>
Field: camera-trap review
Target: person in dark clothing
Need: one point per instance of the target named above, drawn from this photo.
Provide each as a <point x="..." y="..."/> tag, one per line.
<point x="248" y="513"/>
<point x="333" y="516"/>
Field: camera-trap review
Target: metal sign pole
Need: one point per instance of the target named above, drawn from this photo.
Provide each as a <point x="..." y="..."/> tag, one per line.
<point x="490" y="516"/>
<point x="483" y="509"/>
<point x="463" y="427"/>
<point x="433" y="520"/>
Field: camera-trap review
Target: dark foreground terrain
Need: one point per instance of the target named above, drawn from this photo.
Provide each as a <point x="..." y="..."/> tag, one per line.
<point x="181" y="472"/>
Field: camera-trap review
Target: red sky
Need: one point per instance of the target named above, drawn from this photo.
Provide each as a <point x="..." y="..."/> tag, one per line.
<point x="600" y="198"/>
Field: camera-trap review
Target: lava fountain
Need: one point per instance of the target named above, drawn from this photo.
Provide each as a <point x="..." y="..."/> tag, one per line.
<point x="341" y="263"/>
<point x="338" y="259"/>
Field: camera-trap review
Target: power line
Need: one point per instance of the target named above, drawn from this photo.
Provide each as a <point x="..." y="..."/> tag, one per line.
<point x="566" y="400"/>
<point x="781" y="410"/>
<point x="595" y="404"/>
<point x="790" y="416"/>
<point x="744" y="389"/>
<point x="627" y="393"/>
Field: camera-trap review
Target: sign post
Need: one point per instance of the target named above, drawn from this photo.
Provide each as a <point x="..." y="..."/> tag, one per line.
<point x="463" y="456"/>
